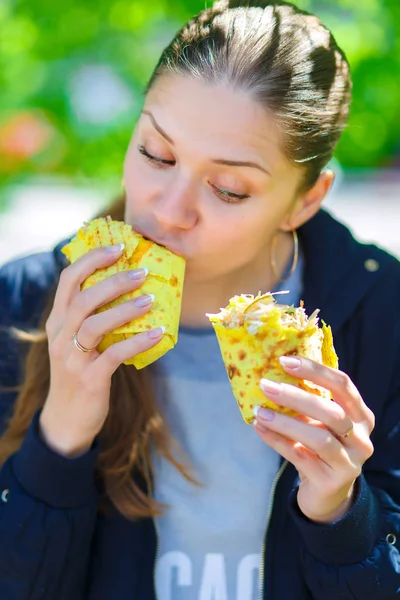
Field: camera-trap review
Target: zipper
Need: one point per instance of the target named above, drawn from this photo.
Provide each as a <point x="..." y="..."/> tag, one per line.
<point x="272" y="497"/>
<point x="156" y="556"/>
<point x="151" y="491"/>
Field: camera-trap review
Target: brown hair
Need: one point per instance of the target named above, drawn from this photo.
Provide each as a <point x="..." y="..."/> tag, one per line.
<point x="289" y="62"/>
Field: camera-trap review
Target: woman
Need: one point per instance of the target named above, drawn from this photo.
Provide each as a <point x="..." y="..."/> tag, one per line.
<point x="122" y="484"/>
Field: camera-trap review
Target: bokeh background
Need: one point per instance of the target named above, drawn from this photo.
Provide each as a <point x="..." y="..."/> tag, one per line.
<point x="71" y="81"/>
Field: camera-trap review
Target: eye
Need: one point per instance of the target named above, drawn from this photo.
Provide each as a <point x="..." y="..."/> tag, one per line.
<point x="161" y="163"/>
<point x="229" y="196"/>
<point x="154" y="160"/>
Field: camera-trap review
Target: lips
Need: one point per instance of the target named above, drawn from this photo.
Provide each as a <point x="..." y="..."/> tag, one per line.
<point x="158" y="240"/>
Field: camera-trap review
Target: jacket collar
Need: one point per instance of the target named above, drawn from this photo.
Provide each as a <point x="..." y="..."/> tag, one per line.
<point x="338" y="270"/>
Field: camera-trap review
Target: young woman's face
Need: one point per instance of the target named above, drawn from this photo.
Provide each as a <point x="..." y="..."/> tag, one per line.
<point x="184" y="188"/>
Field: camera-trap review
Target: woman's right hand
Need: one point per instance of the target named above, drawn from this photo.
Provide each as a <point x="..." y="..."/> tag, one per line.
<point x="78" y="401"/>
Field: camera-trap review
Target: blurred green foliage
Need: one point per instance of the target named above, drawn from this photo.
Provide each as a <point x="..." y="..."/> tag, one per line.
<point x="72" y="75"/>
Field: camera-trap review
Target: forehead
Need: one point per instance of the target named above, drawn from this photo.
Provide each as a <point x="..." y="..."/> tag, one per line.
<point x="214" y="116"/>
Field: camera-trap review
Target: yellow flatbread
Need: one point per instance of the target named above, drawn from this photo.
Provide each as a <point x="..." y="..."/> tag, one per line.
<point x="165" y="281"/>
<point x="254" y="332"/>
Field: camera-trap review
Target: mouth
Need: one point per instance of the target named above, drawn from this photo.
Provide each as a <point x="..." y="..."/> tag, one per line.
<point x="158" y="241"/>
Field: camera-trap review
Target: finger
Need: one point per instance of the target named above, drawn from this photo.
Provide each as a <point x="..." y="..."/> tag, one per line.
<point x="102" y="369"/>
<point x="307" y="463"/>
<point x="328" y="413"/>
<point x="95" y="327"/>
<point x="319" y="440"/>
<point x="87" y="301"/>
<point x="74" y="275"/>
<point x="338" y="383"/>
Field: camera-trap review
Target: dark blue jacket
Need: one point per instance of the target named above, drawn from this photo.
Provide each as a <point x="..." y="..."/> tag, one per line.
<point x="55" y="544"/>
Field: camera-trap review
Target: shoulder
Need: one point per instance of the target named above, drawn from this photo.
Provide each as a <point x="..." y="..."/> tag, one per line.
<point x="24" y="284"/>
<point x="341" y="273"/>
<point x="328" y="234"/>
<point x="356" y="286"/>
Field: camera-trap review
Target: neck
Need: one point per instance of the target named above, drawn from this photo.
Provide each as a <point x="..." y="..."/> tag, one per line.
<point x="210" y="296"/>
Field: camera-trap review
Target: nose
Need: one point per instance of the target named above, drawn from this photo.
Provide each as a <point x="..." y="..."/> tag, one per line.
<point x="175" y="206"/>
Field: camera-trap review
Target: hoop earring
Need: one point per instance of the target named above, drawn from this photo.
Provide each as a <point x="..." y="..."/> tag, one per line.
<point x="295" y="257"/>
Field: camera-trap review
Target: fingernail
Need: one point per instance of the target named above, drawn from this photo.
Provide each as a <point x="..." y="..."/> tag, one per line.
<point x="138" y="273"/>
<point x="144" y="300"/>
<point x="290" y="362"/>
<point x="155" y="333"/>
<point x="116" y="248"/>
<point x="263" y="414"/>
<point x="270" y="387"/>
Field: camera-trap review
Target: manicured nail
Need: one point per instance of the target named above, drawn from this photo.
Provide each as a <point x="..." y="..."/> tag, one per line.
<point x="144" y="300"/>
<point x="138" y="273"/>
<point x="270" y="387"/>
<point x="290" y="362"/>
<point x="116" y="248"/>
<point x="263" y="414"/>
<point x="156" y="333"/>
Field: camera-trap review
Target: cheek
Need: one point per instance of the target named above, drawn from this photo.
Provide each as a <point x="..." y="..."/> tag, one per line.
<point x="235" y="235"/>
<point x="139" y="186"/>
<point x="226" y="241"/>
<point x="134" y="173"/>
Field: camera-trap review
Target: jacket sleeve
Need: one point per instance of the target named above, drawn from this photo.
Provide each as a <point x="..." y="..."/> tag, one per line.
<point x="24" y="285"/>
<point x="48" y="511"/>
<point x="358" y="557"/>
<point x="48" y="503"/>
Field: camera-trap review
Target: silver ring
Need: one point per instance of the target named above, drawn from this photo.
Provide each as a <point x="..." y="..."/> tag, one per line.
<point x="78" y="345"/>
<point x="347" y="434"/>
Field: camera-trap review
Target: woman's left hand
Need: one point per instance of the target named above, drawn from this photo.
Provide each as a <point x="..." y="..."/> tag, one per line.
<point x="328" y="460"/>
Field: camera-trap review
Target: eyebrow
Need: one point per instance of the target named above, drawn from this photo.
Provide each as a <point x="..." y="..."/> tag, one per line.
<point x="219" y="161"/>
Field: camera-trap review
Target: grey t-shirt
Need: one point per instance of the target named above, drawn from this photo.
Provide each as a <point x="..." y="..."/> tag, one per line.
<point x="210" y="540"/>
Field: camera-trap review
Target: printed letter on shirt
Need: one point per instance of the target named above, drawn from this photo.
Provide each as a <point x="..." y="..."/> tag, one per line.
<point x="213" y="581"/>
<point x="247" y="577"/>
<point x="171" y="561"/>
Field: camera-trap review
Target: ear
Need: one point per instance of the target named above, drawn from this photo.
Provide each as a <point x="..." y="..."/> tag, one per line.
<point x="308" y="203"/>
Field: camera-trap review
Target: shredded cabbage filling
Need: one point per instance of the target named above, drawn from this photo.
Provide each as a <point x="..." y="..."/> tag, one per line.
<point x="237" y="313"/>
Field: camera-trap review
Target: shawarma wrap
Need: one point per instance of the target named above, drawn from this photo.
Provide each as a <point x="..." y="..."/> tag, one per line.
<point x="165" y="281"/>
<point x="254" y="332"/>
